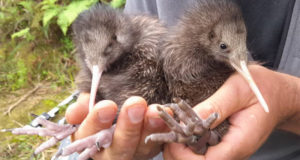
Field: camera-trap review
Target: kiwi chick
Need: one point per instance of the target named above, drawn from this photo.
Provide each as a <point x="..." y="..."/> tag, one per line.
<point x="125" y="49"/>
<point x="119" y="58"/>
<point x="198" y="55"/>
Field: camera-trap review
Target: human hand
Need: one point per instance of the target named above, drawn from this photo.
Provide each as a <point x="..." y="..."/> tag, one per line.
<point x="250" y="125"/>
<point x="135" y="122"/>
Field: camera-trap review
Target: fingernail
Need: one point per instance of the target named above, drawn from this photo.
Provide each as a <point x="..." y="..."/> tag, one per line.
<point x="156" y="122"/>
<point x="106" y="114"/>
<point x="136" y="114"/>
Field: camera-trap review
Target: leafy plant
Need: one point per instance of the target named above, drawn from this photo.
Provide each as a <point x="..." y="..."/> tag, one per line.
<point x="18" y="16"/>
<point x="65" y="14"/>
<point x="23" y="19"/>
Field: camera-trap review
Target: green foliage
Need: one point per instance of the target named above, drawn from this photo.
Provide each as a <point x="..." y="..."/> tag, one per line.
<point x="65" y="14"/>
<point x="117" y="3"/>
<point x="54" y="63"/>
<point x="18" y="16"/>
<point x="70" y="13"/>
<point x="25" y="19"/>
<point x="68" y="45"/>
<point x="49" y="13"/>
<point x="35" y="44"/>
<point x="23" y="33"/>
<point x="21" y="146"/>
<point x="27" y="5"/>
<point x="18" y="78"/>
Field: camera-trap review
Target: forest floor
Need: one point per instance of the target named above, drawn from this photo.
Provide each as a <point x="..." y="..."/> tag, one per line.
<point x="16" y="147"/>
<point x="23" y="66"/>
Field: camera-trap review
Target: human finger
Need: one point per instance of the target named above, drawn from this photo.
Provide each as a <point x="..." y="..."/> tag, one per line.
<point x="177" y="151"/>
<point x="101" y="117"/>
<point x="77" y="111"/>
<point x="233" y="96"/>
<point x="152" y="124"/>
<point x="128" y="130"/>
<point x="248" y="131"/>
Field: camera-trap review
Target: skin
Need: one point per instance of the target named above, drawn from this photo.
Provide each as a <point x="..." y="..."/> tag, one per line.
<point x="131" y="129"/>
<point x="250" y="125"/>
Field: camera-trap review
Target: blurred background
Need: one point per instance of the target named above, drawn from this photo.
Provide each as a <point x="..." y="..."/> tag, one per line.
<point x="37" y="65"/>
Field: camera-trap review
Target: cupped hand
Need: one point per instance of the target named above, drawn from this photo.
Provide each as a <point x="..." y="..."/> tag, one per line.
<point x="135" y="122"/>
<point x="250" y="125"/>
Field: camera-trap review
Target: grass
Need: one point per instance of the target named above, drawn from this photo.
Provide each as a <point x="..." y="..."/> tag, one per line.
<point x="23" y="65"/>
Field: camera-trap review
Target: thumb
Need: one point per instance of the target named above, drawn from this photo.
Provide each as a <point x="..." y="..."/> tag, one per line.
<point x="233" y="96"/>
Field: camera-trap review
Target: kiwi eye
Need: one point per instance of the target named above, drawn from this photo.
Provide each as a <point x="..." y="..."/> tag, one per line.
<point x="223" y="46"/>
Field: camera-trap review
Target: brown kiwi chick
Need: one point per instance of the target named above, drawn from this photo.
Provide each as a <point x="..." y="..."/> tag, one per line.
<point x="124" y="49"/>
<point x="119" y="58"/>
<point x="206" y="46"/>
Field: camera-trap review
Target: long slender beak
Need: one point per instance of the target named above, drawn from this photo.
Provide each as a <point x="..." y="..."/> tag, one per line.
<point x="96" y="73"/>
<point x="243" y="70"/>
